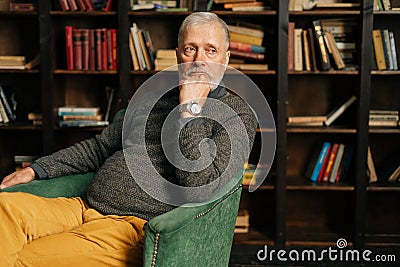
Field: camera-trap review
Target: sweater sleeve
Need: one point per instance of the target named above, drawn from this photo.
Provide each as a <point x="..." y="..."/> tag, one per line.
<point x="216" y="146"/>
<point x="85" y="156"/>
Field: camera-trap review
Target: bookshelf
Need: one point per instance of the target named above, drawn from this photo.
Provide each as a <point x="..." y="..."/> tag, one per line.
<point x="282" y="212"/>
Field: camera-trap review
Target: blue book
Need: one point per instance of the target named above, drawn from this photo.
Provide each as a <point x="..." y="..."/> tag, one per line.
<point x="317" y="162"/>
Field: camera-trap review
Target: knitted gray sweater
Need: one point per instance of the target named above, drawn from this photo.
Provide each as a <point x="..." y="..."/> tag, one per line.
<point x="113" y="189"/>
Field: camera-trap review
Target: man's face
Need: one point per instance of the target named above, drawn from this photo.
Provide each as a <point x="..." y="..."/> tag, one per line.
<point x="202" y="46"/>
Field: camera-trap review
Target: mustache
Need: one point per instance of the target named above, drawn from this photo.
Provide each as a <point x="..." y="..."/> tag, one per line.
<point x="194" y="70"/>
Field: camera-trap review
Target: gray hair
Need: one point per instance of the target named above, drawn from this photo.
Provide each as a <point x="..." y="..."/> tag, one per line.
<point x="202" y="18"/>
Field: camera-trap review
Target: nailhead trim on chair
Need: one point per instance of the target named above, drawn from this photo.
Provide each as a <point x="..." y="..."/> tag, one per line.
<point x="216" y="204"/>
<point x="157" y="237"/>
<point x="153" y="260"/>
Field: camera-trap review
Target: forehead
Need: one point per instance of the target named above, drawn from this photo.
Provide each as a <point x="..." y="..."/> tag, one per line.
<point x="204" y="34"/>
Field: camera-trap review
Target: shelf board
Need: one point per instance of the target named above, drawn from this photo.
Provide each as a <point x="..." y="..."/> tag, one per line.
<point x="83" y="13"/>
<point x="86" y="129"/>
<point x="385" y="72"/>
<point x="329" y="72"/>
<point x="392" y="187"/>
<point x="386" y="12"/>
<point x="264" y="186"/>
<point x="325" y="12"/>
<point x="18" y="126"/>
<point x="313" y="129"/>
<point x="218" y="12"/>
<point x="254" y="237"/>
<point x="18" y="13"/>
<point x="302" y="184"/>
<point x="85" y="72"/>
<point x="12" y="71"/>
<point x="384" y="130"/>
<point x="382" y="240"/>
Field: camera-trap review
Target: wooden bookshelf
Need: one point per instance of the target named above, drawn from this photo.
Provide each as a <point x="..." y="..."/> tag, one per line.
<point x="280" y="209"/>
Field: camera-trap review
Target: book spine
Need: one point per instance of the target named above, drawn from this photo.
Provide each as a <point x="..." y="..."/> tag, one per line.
<point x="81" y="5"/>
<point x="246" y="47"/>
<point x="104" y="59"/>
<point x="336" y="164"/>
<point x="92" y="50"/>
<point x="291" y="27"/>
<point x="10" y="114"/>
<point x="393" y="49"/>
<point x="386" y="49"/>
<point x="107" y="5"/>
<point x="3" y="113"/>
<point x="320" y="162"/>
<point x="331" y="160"/>
<point x="89" y="5"/>
<point x="378" y="48"/>
<point x="247" y="39"/>
<point x="149" y="47"/>
<point x="85" y="49"/>
<point x="248" y="55"/>
<point x="72" y="4"/>
<point x="109" y="49"/>
<point x="64" y="5"/>
<point x="99" y="63"/>
<point x="306" y="51"/>
<point x="114" y="48"/>
<point x="69" y="47"/>
<point x="320" y="47"/>
<point x="298" y="49"/>
<point x="313" y="54"/>
<point x="77" y="46"/>
<point x="135" y="61"/>
<point x="22" y="7"/>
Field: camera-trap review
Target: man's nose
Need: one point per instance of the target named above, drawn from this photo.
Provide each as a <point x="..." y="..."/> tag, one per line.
<point x="200" y="55"/>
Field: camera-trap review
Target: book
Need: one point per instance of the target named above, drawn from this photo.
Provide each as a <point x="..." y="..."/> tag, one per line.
<point x="331" y="161"/>
<point x="386" y="49"/>
<point x="378" y="49"/>
<point x="298" y="49"/>
<point x="92" y="50"/>
<point x="134" y="30"/>
<point x="291" y="26"/>
<point x="81" y="111"/>
<point x="98" y="46"/>
<point x="247" y="55"/>
<point x="22" y="7"/>
<point x="64" y="5"/>
<point x="250" y="66"/>
<point x="69" y="47"/>
<point x="316" y="161"/>
<point x="336" y="112"/>
<point x="393" y="49"/>
<point x="85" y="48"/>
<point x="135" y="62"/>
<point x="246" y="47"/>
<point x="333" y="50"/>
<point x="8" y="101"/>
<point x="306" y="51"/>
<point x="305" y="119"/>
<point x="82" y="123"/>
<point x="3" y="114"/>
<point x="336" y="164"/>
<point x="313" y="55"/>
<point x="346" y="163"/>
<point x="320" y="47"/>
<point x="146" y="55"/>
<point x="371" y="172"/>
<point x="72" y="5"/>
<point x="247" y="39"/>
<point x="77" y="48"/>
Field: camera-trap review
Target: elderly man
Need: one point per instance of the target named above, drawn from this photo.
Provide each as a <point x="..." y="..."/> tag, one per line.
<point x="107" y="228"/>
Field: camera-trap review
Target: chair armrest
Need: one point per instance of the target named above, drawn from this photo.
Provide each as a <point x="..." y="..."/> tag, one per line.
<point x="189" y="235"/>
<point x="64" y="186"/>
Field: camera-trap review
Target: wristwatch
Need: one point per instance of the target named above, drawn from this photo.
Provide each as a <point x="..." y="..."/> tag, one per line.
<point x="193" y="108"/>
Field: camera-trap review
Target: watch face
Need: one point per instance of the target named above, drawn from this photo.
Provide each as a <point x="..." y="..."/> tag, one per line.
<point x="195" y="109"/>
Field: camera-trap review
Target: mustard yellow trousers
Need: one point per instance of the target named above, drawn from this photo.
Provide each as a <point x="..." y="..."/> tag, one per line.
<point x="56" y="232"/>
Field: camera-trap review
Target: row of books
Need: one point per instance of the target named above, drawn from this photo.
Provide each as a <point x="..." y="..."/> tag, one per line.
<point x="384" y="118"/>
<point x="300" y="5"/>
<point x="244" y="5"/>
<point x="321" y="120"/>
<point x="85" y="5"/>
<point x="330" y="163"/>
<point x="389" y="171"/>
<point x="168" y="5"/>
<point x="8" y="105"/>
<point x="91" y="49"/>
<point x="141" y="48"/>
<point x="326" y="44"/>
<point x="246" y="46"/>
<point x="385" y="52"/>
<point x="75" y="116"/>
<point x="384" y="5"/>
<point x="18" y="62"/>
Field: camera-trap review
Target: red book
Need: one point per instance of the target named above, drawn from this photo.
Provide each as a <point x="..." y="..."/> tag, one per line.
<point x="104" y="49"/>
<point x="247" y="55"/>
<point x="89" y="5"/>
<point x="97" y="39"/>
<point x="321" y="172"/>
<point x="107" y="5"/>
<point x="92" y="50"/>
<point x="77" y="45"/>
<point x="85" y="48"/>
<point x="72" y="5"/>
<point x="246" y="47"/>
<point x="69" y="47"/>
<point x="64" y="5"/>
<point x="81" y="5"/>
<point x="331" y="160"/>
<point x="109" y="49"/>
<point x="114" y="48"/>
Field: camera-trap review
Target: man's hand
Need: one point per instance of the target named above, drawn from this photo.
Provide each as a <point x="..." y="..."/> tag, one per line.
<point x="196" y="88"/>
<point x="23" y="176"/>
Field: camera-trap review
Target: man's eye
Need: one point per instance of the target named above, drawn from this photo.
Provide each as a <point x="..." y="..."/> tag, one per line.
<point x="211" y="51"/>
<point x="189" y="49"/>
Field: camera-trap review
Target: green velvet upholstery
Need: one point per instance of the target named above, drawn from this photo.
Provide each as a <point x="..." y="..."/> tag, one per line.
<point x="190" y="235"/>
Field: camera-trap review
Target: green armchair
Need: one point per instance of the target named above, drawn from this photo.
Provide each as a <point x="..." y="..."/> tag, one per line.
<point x="190" y="235"/>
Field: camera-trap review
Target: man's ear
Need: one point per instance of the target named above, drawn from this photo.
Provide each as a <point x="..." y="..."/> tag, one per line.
<point x="227" y="56"/>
